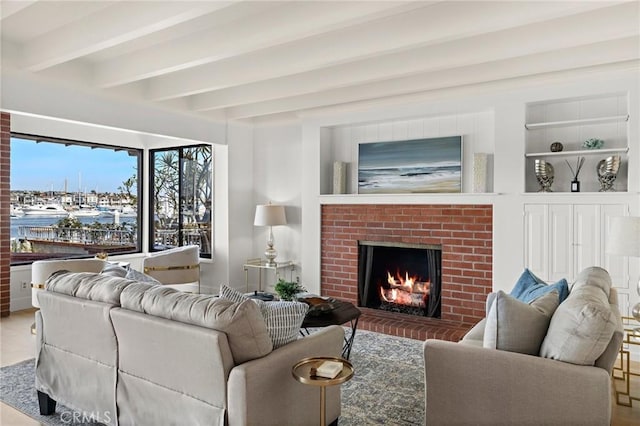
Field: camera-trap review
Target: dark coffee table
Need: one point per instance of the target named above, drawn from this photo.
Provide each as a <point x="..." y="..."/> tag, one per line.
<point x="344" y="312"/>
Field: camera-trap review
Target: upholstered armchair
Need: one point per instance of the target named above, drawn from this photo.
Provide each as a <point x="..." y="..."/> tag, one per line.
<point x="42" y="269"/>
<point x="178" y="268"/>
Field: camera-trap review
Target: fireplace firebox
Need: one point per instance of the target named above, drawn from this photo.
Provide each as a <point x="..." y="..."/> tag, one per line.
<point x="397" y="277"/>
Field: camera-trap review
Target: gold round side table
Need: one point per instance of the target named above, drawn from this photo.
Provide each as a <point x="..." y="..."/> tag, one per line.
<point x="302" y="372"/>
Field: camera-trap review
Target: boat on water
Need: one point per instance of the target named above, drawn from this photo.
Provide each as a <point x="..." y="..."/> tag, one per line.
<point x="16" y="211"/>
<point x="85" y="212"/>
<point x="128" y="211"/>
<point x="52" y="210"/>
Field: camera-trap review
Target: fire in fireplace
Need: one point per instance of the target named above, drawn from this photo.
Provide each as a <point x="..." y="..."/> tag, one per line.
<point x="402" y="278"/>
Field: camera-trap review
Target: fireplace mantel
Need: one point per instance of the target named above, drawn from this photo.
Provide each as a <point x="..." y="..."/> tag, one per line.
<point x="412" y="199"/>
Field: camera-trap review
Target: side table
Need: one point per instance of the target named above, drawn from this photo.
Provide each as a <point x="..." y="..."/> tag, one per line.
<point x="626" y="369"/>
<point x="302" y="372"/>
<point x="344" y="312"/>
<point x="261" y="264"/>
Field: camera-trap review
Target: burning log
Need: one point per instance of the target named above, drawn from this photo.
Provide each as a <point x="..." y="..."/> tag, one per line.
<point x="408" y="291"/>
<point x="401" y="297"/>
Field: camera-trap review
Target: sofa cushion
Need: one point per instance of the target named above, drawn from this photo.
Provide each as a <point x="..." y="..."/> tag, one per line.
<point x="88" y="285"/>
<point x="475" y="336"/>
<point x="283" y="318"/>
<point x="241" y="322"/>
<point x="515" y="326"/>
<point x="583" y="326"/>
<point x="529" y="287"/>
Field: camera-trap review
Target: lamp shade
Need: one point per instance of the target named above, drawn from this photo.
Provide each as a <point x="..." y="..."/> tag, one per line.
<point x="624" y="236"/>
<point x="269" y="215"/>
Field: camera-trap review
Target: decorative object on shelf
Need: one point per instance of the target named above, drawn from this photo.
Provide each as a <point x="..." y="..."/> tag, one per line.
<point x="270" y="215"/>
<point x="624" y="240"/>
<point x="544" y="174"/>
<point x="556" y="147"/>
<point x="339" y="177"/>
<point x="575" y="183"/>
<point x="480" y="172"/>
<point x="287" y="290"/>
<point x="607" y="172"/>
<point x="593" y="143"/>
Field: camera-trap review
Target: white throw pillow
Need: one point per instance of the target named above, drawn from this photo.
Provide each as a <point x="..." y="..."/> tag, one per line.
<point x="283" y="319"/>
<point x="516" y="326"/>
<point x="135" y="275"/>
<point x="583" y="325"/>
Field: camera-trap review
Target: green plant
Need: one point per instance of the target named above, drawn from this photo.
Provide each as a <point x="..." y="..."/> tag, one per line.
<point x="286" y="290"/>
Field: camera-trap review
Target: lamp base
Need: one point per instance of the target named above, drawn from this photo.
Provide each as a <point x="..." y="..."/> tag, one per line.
<point x="270" y="253"/>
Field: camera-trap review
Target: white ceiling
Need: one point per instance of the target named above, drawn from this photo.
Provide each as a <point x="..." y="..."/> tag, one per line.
<point x="267" y="59"/>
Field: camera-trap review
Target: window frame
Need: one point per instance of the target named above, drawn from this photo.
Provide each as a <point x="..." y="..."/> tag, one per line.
<point x="151" y="214"/>
<point x="139" y="184"/>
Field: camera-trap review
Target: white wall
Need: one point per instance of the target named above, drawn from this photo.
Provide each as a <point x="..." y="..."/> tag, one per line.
<point x="278" y="173"/>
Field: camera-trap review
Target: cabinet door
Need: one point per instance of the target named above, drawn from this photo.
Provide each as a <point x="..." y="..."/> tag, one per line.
<point x="587" y="241"/>
<point x="617" y="266"/>
<point x="536" y="239"/>
<point x="561" y="247"/>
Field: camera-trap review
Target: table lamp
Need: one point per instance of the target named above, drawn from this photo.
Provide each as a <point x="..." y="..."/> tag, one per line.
<point x="270" y="215"/>
<point x="624" y="240"/>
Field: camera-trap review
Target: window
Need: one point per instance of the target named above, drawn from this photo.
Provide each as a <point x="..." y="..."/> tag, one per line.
<point x="181" y="198"/>
<point x="72" y="199"/>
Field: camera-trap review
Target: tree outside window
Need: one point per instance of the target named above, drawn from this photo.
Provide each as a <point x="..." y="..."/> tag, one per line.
<point x="181" y="199"/>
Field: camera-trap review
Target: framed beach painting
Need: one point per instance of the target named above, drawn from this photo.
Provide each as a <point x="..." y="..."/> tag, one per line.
<point x="411" y="166"/>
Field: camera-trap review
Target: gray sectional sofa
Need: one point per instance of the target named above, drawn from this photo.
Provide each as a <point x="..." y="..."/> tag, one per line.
<point x="567" y="381"/>
<point x="127" y="353"/>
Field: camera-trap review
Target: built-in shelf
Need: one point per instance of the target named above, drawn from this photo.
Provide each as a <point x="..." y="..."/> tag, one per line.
<point x="603" y="116"/>
<point x="579" y="122"/>
<point x="580" y="152"/>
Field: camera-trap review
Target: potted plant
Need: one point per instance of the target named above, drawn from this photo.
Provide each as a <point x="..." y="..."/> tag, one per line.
<point x="287" y="290"/>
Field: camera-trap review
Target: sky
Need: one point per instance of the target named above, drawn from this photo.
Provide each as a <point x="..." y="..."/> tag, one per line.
<point x="45" y="166"/>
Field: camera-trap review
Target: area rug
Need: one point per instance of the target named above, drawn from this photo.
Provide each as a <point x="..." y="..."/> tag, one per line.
<point x="387" y="388"/>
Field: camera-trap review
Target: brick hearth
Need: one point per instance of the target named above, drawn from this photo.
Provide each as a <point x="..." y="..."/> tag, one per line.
<point x="465" y="233"/>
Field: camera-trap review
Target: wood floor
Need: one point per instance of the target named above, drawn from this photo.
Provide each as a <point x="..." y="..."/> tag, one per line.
<point x="17" y="344"/>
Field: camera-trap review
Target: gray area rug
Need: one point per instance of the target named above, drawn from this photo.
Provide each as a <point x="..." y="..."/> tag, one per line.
<point x="387" y="388"/>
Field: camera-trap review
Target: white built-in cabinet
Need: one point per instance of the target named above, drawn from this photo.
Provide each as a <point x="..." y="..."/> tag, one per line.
<point x="563" y="239"/>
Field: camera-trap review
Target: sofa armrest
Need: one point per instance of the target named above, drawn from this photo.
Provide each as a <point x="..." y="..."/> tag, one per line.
<point x="471" y="385"/>
<point x="264" y="392"/>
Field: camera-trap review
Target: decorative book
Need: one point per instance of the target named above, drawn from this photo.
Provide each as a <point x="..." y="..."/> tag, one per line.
<point x="329" y="369"/>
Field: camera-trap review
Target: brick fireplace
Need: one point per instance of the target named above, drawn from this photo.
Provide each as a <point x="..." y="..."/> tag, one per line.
<point x="465" y="233"/>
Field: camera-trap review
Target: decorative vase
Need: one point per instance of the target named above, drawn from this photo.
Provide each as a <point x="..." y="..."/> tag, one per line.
<point x="544" y="174"/>
<point x="607" y="172"/>
<point x="556" y="147"/>
<point x="339" y="177"/>
<point x="480" y="172"/>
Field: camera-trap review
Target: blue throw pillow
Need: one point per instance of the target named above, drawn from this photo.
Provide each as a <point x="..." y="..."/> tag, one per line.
<point x="529" y="288"/>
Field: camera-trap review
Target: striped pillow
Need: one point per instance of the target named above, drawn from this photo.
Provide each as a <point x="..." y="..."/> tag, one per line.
<point x="283" y="319"/>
